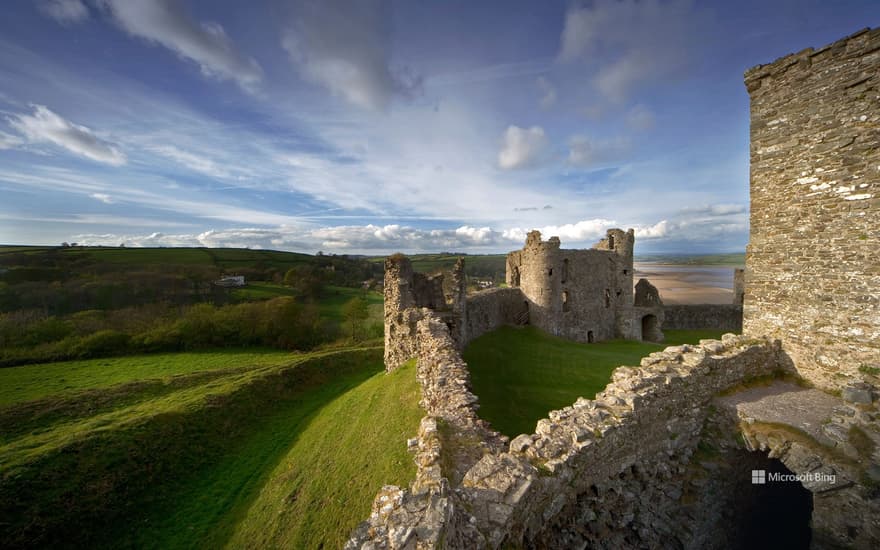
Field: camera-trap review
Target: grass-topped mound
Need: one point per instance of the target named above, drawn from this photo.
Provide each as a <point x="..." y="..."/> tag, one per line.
<point x="522" y="373"/>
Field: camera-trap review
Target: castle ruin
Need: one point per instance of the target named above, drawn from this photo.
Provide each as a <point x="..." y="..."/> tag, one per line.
<point x="583" y="295"/>
<point x="658" y="459"/>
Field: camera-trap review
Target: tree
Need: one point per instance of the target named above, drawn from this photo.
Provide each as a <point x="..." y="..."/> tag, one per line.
<point x="307" y="280"/>
<point x="355" y="312"/>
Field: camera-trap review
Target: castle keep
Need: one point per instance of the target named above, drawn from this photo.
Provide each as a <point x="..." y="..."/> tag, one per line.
<point x="582" y="295"/>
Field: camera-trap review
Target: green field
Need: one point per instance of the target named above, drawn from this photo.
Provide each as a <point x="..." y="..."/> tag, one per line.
<point x="177" y="456"/>
<point x="522" y="373"/>
<point x="330" y="304"/>
<point x="32" y="382"/>
<point x="326" y="483"/>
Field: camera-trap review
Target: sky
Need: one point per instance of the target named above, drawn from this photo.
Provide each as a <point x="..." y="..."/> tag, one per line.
<point x="370" y="127"/>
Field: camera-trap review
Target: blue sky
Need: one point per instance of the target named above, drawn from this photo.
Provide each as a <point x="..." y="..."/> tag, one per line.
<point x="365" y="126"/>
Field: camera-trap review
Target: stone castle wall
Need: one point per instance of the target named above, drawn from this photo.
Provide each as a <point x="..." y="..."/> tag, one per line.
<point x="490" y="309"/>
<point x="726" y="317"/>
<point x="450" y="440"/>
<point x="813" y="271"/>
<point x="606" y="472"/>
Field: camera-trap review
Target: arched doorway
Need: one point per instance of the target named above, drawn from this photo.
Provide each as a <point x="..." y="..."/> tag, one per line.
<point x="651" y="329"/>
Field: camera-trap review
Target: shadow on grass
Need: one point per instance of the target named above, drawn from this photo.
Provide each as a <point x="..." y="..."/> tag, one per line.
<point x="522" y="373"/>
<point x="175" y="479"/>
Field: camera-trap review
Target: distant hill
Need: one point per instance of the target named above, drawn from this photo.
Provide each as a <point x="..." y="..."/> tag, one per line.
<point x="494" y="265"/>
<point x="65" y="279"/>
<point x="226" y="258"/>
<point x="736" y="259"/>
<point x="490" y="266"/>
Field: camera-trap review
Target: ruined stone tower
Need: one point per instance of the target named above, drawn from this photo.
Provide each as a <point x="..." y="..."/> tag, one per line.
<point x="812" y="260"/>
<point x="583" y="295"/>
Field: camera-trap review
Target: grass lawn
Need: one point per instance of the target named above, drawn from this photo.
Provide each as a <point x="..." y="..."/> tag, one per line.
<point x="334" y="297"/>
<point x="325" y="484"/>
<point x="262" y="291"/>
<point x="522" y="373"/>
<point x="330" y="304"/>
<point x="306" y="473"/>
<point x="185" y="467"/>
<point x="40" y="380"/>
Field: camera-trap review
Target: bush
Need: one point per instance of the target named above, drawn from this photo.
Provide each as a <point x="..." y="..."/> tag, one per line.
<point x="161" y="338"/>
<point x="104" y="342"/>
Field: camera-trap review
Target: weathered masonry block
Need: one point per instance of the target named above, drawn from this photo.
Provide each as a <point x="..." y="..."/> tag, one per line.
<point x="813" y="272"/>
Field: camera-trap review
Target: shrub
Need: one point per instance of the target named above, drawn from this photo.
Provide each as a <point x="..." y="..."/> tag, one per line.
<point x="104" y="342"/>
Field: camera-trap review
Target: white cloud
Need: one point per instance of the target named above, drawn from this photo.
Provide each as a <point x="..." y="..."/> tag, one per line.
<point x="380" y="239"/>
<point x="656" y="231"/>
<point x="46" y="126"/>
<point x="103" y="197"/>
<point x="522" y="147"/>
<point x="365" y="238"/>
<point x="65" y="11"/>
<point x="344" y="45"/>
<point x="166" y="22"/>
<point x="581" y="231"/>
<point x="585" y="152"/>
<point x="640" y="118"/>
<point x="548" y="99"/>
<point x="629" y="42"/>
<point x="8" y="141"/>
<point x="192" y="161"/>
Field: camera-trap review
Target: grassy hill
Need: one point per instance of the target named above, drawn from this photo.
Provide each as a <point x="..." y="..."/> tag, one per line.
<point x="522" y="373"/>
<point x="187" y="450"/>
<point x="227" y="258"/>
<point x="475" y="265"/>
<point x="737" y="259"/>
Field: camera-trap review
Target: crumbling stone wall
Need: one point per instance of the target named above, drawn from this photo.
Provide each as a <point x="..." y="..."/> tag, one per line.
<point x="606" y="472"/>
<point x="812" y="263"/>
<point x="490" y="309"/>
<point x="704" y="316"/>
<point x="408" y="295"/>
<point x="450" y="440"/>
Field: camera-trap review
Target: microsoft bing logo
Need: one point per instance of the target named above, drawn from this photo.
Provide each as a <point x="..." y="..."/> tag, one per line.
<point x="759" y="477"/>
